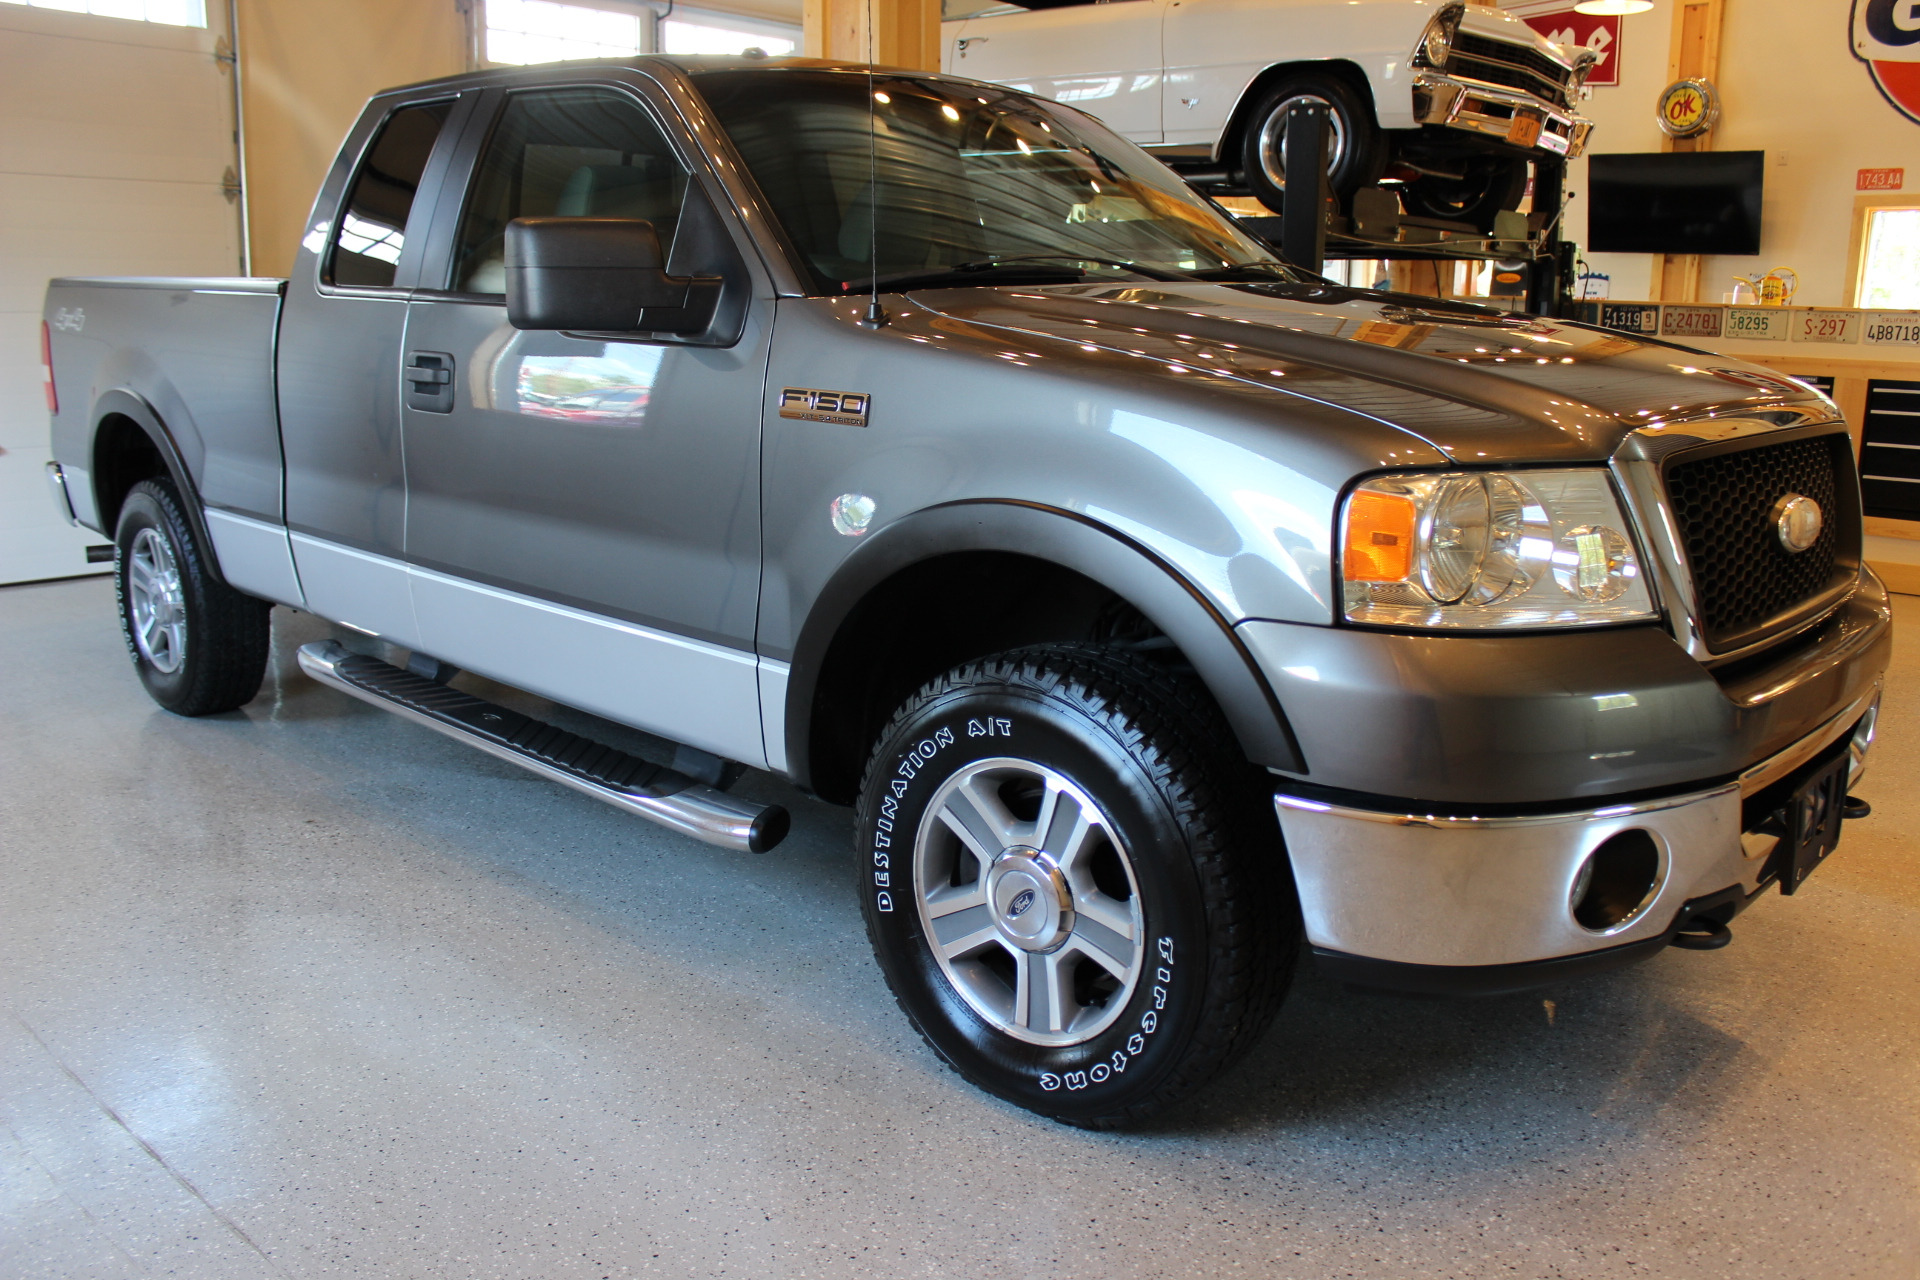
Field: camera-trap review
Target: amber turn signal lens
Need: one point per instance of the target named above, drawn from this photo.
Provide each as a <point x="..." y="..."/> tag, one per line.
<point x="1379" y="538"/>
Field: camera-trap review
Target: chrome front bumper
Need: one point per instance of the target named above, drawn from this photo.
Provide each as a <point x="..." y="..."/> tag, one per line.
<point x="1488" y="111"/>
<point x="1476" y="892"/>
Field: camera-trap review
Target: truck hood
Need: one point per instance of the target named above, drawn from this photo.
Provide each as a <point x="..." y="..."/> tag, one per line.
<point x="1478" y="385"/>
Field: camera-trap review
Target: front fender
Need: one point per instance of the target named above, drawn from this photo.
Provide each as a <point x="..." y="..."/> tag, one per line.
<point x="1071" y="541"/>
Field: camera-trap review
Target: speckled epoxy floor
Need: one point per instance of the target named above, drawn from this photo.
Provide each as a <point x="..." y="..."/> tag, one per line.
<point x="307" y="991"/>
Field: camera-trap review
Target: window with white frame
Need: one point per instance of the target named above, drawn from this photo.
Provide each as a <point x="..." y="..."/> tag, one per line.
<point x="171" y="13"/>
<point x="522" y="31"/>
<point x="695" y="31"/>
<point x="1890" y="265"/>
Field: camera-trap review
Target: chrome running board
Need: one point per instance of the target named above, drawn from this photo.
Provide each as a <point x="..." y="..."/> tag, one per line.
<point x="624" y="781"/>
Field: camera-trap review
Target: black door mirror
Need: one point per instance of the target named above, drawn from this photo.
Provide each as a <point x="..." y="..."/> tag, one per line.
<point x="600" y="274"/>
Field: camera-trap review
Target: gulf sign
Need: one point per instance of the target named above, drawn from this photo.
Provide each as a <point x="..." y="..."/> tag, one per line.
<point x="1580" y="31"/>
<point x="1886" y="36"/>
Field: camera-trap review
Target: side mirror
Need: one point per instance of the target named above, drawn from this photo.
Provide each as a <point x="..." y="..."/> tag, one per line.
<point x="602" y="275"/>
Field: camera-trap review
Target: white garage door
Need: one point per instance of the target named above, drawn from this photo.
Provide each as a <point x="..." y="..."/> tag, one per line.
<point x="117" y="135"/>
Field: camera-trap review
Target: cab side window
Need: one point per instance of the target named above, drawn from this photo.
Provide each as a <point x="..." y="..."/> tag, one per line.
<point x="366" y="245"/>
<point x="569" y="153"/>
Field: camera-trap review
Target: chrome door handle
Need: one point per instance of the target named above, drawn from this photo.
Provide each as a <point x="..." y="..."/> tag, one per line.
<point x="962" y="43"/>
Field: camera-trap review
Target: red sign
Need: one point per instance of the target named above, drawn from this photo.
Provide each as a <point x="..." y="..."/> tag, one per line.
<point x="1886" y="36"/>
<point x="1882" y="179"/>
<point x="1574" y="30"/>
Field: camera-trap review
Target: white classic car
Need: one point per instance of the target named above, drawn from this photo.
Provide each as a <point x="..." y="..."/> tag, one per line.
<point x="1449" y="100"/>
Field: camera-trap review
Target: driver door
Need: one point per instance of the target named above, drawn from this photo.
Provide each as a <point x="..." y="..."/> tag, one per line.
<point x="583" y="514"/>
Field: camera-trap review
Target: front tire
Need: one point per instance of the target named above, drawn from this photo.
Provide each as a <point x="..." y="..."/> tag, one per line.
<point x="200" y="647"/>
<point x="1072" y="882"/>
<point x="1356" y="149"/>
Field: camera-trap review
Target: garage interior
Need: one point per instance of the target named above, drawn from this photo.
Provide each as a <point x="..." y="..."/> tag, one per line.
<point x="304" y="989"/>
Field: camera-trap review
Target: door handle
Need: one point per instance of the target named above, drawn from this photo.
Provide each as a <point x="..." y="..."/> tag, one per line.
<point x="962" y="43"/>
<point x="429" y="377"/>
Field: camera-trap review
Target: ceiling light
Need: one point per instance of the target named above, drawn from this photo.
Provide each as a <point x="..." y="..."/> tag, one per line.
<point x="1612" y="8"/>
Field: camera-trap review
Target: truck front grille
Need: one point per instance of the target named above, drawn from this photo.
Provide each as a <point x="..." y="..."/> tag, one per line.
<point x="1745" y="582"/>
<point x="1512" y="66"/>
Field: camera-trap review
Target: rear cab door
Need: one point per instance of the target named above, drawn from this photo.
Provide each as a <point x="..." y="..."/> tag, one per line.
<point x="338" y="360"/>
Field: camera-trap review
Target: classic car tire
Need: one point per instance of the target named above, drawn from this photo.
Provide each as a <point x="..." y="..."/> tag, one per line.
<point x="1112" y="815"/>
<point x="1496" y="184"/>
<point x="1356" y="153"/>
<point x="200" y="646"/>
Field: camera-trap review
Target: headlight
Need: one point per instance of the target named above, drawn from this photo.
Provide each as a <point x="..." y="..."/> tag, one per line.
<point x="1437" y="44"/>
<point x="1475" y="549"/>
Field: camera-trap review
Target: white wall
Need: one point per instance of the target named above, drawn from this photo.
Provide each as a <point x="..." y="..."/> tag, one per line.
<point x="117" y="135"/>
<point x="1790" y="87"/>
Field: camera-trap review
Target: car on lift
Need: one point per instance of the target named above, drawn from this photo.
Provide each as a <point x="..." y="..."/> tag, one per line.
<point x="1152" y="602"/>
<point x="1451" y="103"/>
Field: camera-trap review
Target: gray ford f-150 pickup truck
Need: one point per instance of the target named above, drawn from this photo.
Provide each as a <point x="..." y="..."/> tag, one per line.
<point x="933" y="447"/>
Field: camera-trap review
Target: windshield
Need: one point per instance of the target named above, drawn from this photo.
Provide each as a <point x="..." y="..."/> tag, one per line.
<point x="976" y="181"/>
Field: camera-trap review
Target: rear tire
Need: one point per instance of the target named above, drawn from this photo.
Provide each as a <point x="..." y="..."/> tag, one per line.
<point x="1117" y="925"/>
<point x="1492" y="185"/>
<point x="1356" y="151"/>
<point x="200" y="646"/>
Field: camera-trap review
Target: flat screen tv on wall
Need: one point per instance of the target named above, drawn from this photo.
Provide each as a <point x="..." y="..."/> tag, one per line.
<point x="1678" y="202"/>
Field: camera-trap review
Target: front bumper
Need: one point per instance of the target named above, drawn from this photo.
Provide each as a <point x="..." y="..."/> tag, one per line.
<point x="1486" y="903"/>
<point x="1492" y="112"/>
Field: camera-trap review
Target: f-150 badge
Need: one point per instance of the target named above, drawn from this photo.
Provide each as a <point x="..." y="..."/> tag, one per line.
<point x="848" y="408"/>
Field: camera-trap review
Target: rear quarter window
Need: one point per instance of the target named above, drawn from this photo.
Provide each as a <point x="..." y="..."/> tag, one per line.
<point x="371" y="232"/>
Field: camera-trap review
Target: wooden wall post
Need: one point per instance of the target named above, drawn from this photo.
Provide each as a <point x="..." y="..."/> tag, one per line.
<point x="905" y="33"/>
<point x="1694" y="55"/>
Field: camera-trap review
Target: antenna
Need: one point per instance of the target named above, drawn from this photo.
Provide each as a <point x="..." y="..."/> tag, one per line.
<point x="876" y="314"/>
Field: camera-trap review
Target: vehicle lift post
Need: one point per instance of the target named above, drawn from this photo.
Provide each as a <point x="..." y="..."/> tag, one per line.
<point x="1303" y="221"/>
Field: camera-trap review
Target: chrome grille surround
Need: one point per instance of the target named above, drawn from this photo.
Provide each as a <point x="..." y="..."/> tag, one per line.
<point x="1513" y="66"/>
<point x="1639" y="465"/>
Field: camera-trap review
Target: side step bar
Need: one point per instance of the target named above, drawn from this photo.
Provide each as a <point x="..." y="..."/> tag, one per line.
<point x="605" y="773"/>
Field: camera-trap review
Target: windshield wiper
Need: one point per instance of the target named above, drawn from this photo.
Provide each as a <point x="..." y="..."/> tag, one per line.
<point x="1019" y="274"/>
<point x="1151" y="273"/>
<point x="1240" y="270"/>
<point x="1019" y="268"/>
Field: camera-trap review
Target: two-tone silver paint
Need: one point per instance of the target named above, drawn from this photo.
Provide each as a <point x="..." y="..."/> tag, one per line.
<point x="1185" y="445"/>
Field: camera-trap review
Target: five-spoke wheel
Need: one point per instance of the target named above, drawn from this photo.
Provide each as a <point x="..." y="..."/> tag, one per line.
<point x="158" y="602"/>
<point x="199" y="645"/>
<point x="1073" y="882"/>
<point x="1030" y="901"/>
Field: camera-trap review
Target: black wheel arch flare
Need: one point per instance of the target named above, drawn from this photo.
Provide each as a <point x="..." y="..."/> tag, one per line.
<point x="1067" y="540"/>
<point x="120" y="403"/>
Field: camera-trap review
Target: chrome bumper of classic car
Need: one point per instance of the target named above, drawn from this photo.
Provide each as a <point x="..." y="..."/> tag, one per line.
<point x="1483" y="109"/>
<point x="1496" y="895"/>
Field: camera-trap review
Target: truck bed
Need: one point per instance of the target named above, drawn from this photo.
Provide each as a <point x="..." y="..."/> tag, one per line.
<point x="192" y="353"/>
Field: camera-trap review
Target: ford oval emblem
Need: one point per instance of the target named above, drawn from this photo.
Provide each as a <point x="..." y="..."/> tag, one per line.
<point x="1021" y="901"/>
<point x="1797" y="522"/>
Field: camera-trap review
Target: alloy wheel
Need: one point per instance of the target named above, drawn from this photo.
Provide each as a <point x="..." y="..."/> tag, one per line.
<point x="1029" y="901"/>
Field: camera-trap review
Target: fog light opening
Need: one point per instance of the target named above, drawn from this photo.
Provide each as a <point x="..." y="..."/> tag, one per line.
<point x="1616" y="882"/>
